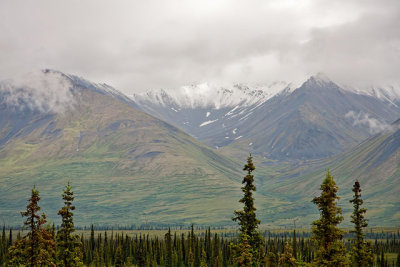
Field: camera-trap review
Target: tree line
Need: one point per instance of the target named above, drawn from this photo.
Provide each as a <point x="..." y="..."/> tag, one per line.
<point x="43" y="245"/>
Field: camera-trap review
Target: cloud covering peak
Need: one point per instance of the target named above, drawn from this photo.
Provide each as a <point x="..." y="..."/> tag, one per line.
<point x="44" y="91"/>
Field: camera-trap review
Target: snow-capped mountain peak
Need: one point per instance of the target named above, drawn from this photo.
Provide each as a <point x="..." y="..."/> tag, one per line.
<point x="386" y="92"/>
<point x="207" y="95"/>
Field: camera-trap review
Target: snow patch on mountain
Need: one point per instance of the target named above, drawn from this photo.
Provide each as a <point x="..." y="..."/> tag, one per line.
<point x="207" y="122"/>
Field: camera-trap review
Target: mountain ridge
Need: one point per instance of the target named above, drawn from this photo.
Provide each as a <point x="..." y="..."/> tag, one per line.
<point x="309" y="109"/>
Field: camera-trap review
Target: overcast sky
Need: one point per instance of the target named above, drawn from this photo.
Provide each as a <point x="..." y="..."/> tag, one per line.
<point x="144" y="44"/>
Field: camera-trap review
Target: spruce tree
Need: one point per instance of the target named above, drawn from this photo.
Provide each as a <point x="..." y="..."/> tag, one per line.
<point x="294" y="244"/>
<point x="37" y="247"/>
<point x="68" y="244"/>
<point x="246" y="218"/>
<point x="10" y="239"/>
<point x="118" y="257"/>
<point x="330" y="250"/>
<point x="203" y="259"/>
<point x="361" y="252"/>
<point x="245" y="257"/>
<point x="287" y="259"/>
<point x="168" y="242"/>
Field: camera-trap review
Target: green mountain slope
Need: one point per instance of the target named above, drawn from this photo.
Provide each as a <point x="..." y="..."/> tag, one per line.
<point x="375" y="163"/>
<point x="126" y="167"/>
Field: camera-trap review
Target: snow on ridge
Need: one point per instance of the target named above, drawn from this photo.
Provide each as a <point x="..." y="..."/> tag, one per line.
<point x="385" y="92"/>
<point x="211" y="95"/>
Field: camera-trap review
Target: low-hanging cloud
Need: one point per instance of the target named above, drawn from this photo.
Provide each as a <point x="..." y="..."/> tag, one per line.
<point x="363" y="119"/>
<point x="43" y="91"/>
<point x="138" y="45"/>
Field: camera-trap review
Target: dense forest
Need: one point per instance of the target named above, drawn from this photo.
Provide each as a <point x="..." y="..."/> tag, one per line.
<point x="325" y="245"/>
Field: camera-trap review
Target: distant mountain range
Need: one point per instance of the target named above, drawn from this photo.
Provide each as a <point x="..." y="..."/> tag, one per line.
<point x="129" y="167"/>
<point x="316" y="120"/>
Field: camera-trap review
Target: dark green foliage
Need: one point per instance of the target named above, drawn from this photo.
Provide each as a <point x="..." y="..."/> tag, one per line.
<point x="168" y="242"/>
<point x="294" y="244"/>
<point x="145" y="251"/>
<point x="247" y="219"/>
<point x="271" y="260"/>
<point x="68" y="244"/>
<point x="245" y="257"/>
<point x="37" y="247"/>
<point x="118" y="257"/>
<point x="10" y="237"/>
<point x="361" y="252"/>
<point x="287" y="259"/>
<point x="330" y="250"/>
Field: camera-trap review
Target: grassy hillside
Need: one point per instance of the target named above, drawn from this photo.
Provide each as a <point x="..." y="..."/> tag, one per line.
<point x="375" y="163"/>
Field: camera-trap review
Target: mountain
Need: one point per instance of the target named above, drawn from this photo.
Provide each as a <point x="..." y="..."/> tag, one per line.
<point x="125" y="166"/>
<point x="197" y="109"/>
<point x="319" y="119"/>
<point x="128" y="167"/>
<point x="375" y="163"/>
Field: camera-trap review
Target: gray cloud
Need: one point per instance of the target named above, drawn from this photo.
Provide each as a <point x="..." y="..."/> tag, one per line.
<point x="137" y="45"/>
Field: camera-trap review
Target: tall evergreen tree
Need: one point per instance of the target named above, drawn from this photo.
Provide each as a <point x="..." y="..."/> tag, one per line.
<point x="287" y="259"/>
<point x="68" y="244"/>
<point x="361" y="252"/>
<point x="168" y="241"/>
<point x="37" y="247"/>
<point x="330" y="250"/>
<point x="294" y="244"/>
<point x="10" y="239"/>
<point x="119" y="261"/>
<point x="245" y="257"/>
<point x="203" y="258"/>
<point x="246" y="218"/>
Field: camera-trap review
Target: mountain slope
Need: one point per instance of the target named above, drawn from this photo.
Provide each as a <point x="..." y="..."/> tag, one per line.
<point x="317" y="120"/>
<point x="375" y="163"/>
<point x="200" y="110"/>
<point x="126" y="167"/>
